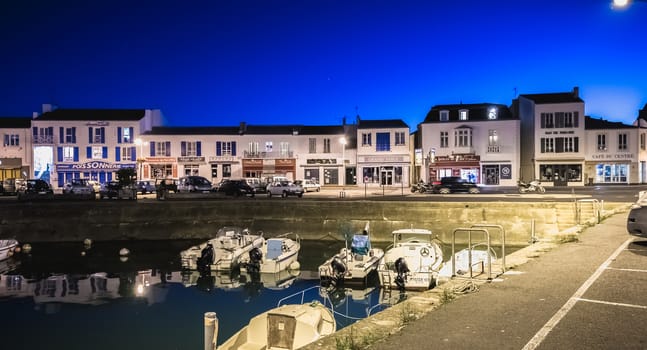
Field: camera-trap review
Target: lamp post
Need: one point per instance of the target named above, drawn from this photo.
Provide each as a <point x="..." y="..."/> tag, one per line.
<point x="342" y="140"/>
<point x="620" y="4"/>
<point x="140" y="158"/>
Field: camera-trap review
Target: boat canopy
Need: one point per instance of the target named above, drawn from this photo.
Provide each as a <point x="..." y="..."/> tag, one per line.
<point x="360" y="244"/>
<point x="274" y="248"/>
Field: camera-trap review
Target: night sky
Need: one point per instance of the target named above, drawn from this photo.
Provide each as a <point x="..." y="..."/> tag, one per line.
<point x="217" y="62"/>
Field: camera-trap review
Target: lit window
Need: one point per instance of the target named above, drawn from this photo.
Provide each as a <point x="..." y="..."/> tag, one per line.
<point x="269" y="146"/>
<point x="462" y="114"/>
<point x="492" y="113"/>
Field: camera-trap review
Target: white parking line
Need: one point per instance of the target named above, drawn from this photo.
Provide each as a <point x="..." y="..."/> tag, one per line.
<point x="628" y="270"/>
<point x="548" y="327"/>
<point x="612" y="303"/>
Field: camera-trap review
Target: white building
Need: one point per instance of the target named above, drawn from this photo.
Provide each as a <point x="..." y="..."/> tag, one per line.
<point x="383" y="153"/>
<point x="477" y="142"/>
<point x="15" y="155"/>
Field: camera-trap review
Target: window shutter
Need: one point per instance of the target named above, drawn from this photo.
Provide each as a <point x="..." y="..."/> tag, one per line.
<point x="576" y="119"/>
<point x="90" y="134"/>
<point x="6" y="139"/>
<point x="168" y="148"/>
<point x="199" y="148"/>
<point x="218" y="148"/>
<point x="133" y="153"/>
<point x="576" y="145"/>
<point x="89" y="153"/>
<point x="61" y="135"/>
<point x="74" y="134"/>
<point x="35" y="132"/>
<point x="119" y="134"/>
<point x="233" y="148"/>
<point x="132" y="133"/>
<point x="152" y="149"/>
<point x="183" y="148"/>
<point x="543" y="145"/>
<point x="559" y="145"/>
<point x="51" y="132"/>
<point x="59" y="151"/>
<point x="103" y="135"/>
<point x="117" y="154"/>
<point x="104" y="152"/>
<point x="76" y="154"/>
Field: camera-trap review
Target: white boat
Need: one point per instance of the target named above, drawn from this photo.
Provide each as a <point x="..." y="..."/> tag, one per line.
<point x="290" y="326"/>
<point x="478" y="258"/>
<point x="223" y="252"/>
<point x="275" y="255"/>
<point x="354" y="264"/>
<point x="412" y="262"/>
<point x="7" y="248"/>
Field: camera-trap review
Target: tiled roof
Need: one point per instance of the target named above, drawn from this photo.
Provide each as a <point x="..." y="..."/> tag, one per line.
<point x="15" y="122"/>
<point x="93" y="114"/>
<point x="381" y="124"/>
<point x="599" y="124"/>
<point x="249" y="130"/>
<point x="477" y="112"/>
<point x="193" y="130"/>
<point x="560" y="97"/>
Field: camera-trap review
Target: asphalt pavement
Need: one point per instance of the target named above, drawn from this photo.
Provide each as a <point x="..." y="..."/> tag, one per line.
<point x="588" y="294"/>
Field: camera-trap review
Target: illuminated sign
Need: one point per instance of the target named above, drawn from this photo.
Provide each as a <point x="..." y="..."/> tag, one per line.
<point x="93" y="165"/>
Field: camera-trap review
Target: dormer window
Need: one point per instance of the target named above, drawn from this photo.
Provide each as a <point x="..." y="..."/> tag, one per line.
<point x="462" y="114"/>
<point x="492" y="113"/>
<point x="444" y="115"/>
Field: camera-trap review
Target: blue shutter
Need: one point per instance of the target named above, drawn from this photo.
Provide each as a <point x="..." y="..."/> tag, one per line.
<point x="168" y="148"/>
<point x="119" y="134"/>
<point x="117" y="154"/>
<point x="74" y="134"/>
<point x="76" y="154"/>
<point x="90" y="134"/>
<point x="218" y="148"/>
<point x="103" y="135"/>
<point x="233" y="148"/>
<point x="105" y="152"/>
<point x="152" y="149"/>
<point x="199" y="148"/>
<point x="133" y="153"/>
<point x="35" y="132"/>
<point x="59" y="151"/>
<point x="89" y="155"/>
<point x="183" y="148"/>
<point x="51" y="132"/>
<point x="6" y="139"/>
<point x="132" y="134"/>
<point x="61" y="134"/>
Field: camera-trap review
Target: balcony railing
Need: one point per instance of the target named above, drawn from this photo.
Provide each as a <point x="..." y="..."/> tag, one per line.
<point x="494" y="149"/>
<point x="44" y="139"/>
<point x="288" y="154"/>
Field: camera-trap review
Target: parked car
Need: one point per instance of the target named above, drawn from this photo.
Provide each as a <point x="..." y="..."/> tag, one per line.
<point x="169" y="184"/>
<point x="109" y="190"/>
<point x="453" y="184"/>
<point x="194" y="184"/>
<point x="35" y="188"/>
<point x="11" y="185"/>
<point x="145" y="186"/>
<point x="309" y="185"/>
<point x="284" y="189"/>
<point x="259" y="185"/>
<point x="236" y="188"/>
<point x="637" y="217"/>
<point x="79" y="187"/>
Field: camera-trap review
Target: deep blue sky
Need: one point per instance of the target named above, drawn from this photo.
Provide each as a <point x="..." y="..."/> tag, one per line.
<point x="217" y="62"/>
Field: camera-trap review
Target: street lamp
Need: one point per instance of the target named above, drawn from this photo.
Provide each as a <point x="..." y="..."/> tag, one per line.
<point x="342" y="140"/>
<point x="620" y="4"/>
<point x="140" y="158"/>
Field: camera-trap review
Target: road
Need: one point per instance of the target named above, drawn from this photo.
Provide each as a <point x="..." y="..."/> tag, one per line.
<point x="581" y="295"/>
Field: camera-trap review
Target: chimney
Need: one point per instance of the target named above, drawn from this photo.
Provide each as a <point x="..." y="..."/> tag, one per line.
<point x="576" y="92"/>
<point x="34" y="115"/>
<point x="243" y="128"/>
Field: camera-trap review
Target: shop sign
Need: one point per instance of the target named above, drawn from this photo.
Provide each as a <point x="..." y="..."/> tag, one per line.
<point x="190" y="159"/>
<point x="506" y="172"/>
<point x="220" y="159"/>
<point x="93" y="165"/>
<point x="321" y="161"/>
<point x="613" y="156"/>
<point x="97" y="123"/>
<point x="160" y="160"/>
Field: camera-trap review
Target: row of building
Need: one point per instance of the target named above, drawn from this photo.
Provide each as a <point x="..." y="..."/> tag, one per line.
<point x="539" y="136"/>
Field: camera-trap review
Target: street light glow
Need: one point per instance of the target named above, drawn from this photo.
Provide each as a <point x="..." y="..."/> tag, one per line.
<point x="620" y="3"/>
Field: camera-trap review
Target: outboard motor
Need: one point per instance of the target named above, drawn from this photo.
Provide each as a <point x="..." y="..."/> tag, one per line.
<point x="338" y="269"/>
<point x="255" y="258"/>
<point x="206" y="258"/>
<point x="401" y="269"/>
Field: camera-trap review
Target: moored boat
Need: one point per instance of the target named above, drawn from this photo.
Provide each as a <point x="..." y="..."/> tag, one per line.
<point x="7" y="248"/>
<point x="352" y="265"/>
<point x="223" y="252"/>
<point x="290" y="326"/>
<point x="412" y="261"/>
<point x="275" y="255"/>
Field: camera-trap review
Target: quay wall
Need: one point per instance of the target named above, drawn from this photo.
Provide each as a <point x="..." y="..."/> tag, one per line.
<point x="310" y="219"/>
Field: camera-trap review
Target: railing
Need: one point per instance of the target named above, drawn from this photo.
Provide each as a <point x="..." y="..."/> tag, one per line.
<point x="494" y="149"/>
<point x="249" y="154"/>
<point x="593" y="205"/>
<point x="469" y="248"/>
<point x="44" y="139"/>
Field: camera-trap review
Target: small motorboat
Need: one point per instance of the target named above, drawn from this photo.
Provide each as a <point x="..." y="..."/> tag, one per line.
<point x="354" y="264"/>
<point x="477" y="258"/>
<point x="412" y="261"/>
<point x="290" y="326"/>
<point x="223" y="252"/>
<point x="7" y="248"/>
<point x="276" y="255"/>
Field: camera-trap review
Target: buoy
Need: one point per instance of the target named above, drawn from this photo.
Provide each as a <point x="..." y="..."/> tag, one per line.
<point x="124" y="251"/>
<point x="294" y="266"/>
<point x="123" y="258"/>
<point x="87" y="243"/>
<point x="82" y="253"/>
<point x="26" y="247"/>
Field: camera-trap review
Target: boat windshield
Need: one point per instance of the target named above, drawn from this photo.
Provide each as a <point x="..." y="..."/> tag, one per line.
<point x="412" y="236"/>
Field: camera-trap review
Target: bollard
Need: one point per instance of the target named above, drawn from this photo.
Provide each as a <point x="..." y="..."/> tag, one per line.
<point x="210" y="330"/>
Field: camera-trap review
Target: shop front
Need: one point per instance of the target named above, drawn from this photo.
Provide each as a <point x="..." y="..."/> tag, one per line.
<point x="465" y="166"/>
<point x="94" y="170"/>
<point x="325" y="171"/>
<point x="223" y="167"/>
<point x="389" y="171"/>
<point x="159" y="168"/>
<point x="613" y="168"/>
<point x="12" y="168"/>
<point x="561" y="174"/>
<point x="497" y="174"/>
<point x="191" y="165"/>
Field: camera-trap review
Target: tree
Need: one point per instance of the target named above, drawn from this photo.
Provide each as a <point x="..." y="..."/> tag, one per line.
<point x="126" y="177"/>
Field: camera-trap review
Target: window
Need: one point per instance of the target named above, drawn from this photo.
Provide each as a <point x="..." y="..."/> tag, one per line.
<point x="97" y="152"/>
<point x="547" y="120"/>
<point x="444" y="115"/>
<point x="366" y="139"/>
<point x="463" y="138"/>
<point x="127" y="136"/>
<point x="127" y="153"/>
<point x="560" y="145"/>
<point x="622" y="142"/>
<point x="399" y="138"/>
<point x="547" y="145"/>
<point x="191" y="169"/>
<point x="492" y="113"/>
<point x="569" y="144"/>
<point x="97" y="135"/>
<point x="326" y="145"/>
<point x="284" y="149"/>
<point x="493" y="138"/>
<point x="444" y="139"/>
<point x="602" y="142"/>
<point x="11" y="140"/>
<point x="462" y="114"/>
<point x="161" y="149"/>
<point x="68" y="154"/>
<point x="226" y="170"/>
<point x="269" y="146"/>
<point x="312" y="145"/>
<point x="642" y="141"/>
<point x="228" y="148"/>
<point x="382" y="142"/>
<point x="70" y="135"/>
<point x="190" y="148"/>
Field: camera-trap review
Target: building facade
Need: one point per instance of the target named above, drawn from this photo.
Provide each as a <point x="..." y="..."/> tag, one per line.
<point x="383" y="153"/>
<point x="15" y="158"/>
